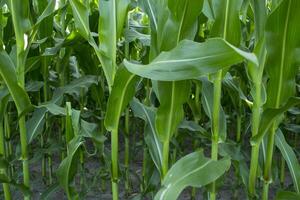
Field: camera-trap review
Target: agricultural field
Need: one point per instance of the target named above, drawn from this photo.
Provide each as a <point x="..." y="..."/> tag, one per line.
<point x="150" y="99"/>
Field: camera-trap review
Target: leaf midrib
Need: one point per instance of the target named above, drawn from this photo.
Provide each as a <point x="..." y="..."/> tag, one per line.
<point x="80" y="19"/>
<point x="152" y="13"/>
<point x="153" y="131"/>
<point x="226" y="20"/>
<point x="190" y="59"/>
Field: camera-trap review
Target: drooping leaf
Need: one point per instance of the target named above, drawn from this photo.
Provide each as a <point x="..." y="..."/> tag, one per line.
<point x="89" y="130"/>
<point x="235" y="90"/>
<point x="191" y="60"/>
<point x="192" y="170"/>
<point x="36" y="123"/>
<point x="73" y="87"/>
<point x="191" y="126"/>
<point x="53" y="108"/>
<point x="132" y="35"/>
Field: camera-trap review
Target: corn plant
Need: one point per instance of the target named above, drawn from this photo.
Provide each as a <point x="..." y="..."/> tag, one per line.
<point x="149" y="99"/>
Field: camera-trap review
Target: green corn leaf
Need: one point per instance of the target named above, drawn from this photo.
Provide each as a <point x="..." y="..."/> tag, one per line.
<point x="36" y="123"/>
<point x="286" y="195"/>
<point x="294" y="128"/>
<point x="191" y="60"/>
<point x="51" y="190"/>
<point x="8" y="74"/>
<point x="34" y="86"/>
<point x="269" y="116"/>
<point x="180" y="23"/>
<point x="4" y="178"/>
<point x="192" y="170"/>
<point x="152" y="141"/>
<point x="68" y="167"/>
<point x="122" y="9"/>
<point x="90" y="130"/>
<point x="227" y="21"/>
<point x="122" y="92"/>
<point x="20" y="13"/>
<point x="73" y="87"/>
<point x="207" y="102"/>
<point x="191" y="126"/>
<point x="48" y="12"/>
<point x="81" y="17"/>
<point x="170" y="113"/>
<point x="44" y="22"/>
<point x="53" y="108"/>
<point x="152" y="8"/>
<point x="132" y="35"/>
<point x="290" y="158"/>
<point x="234" y="90"/>
<point x="112" y="16"/>
<point x="282" y="26"/>
<point x="107" y="31"/>
<point x="76" y="121"/>
<point x="4" y="97"/>
<point x="238" y="159"/>
<point x="260" y="17"/>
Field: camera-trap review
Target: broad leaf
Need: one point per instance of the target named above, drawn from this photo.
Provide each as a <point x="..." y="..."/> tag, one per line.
<point x="260" y="17"/>
<point x="107" y="31"/>
<point x="191" y="60"/>
<point x="227" y="21"/>
<point x="282" y="26"/>
<point x="68" y="167"/>
<point x="170" y="113"/>
<point x="151" y="138"/>
<point x="81" y="17"/>
<point x="122" y="92"/>
<point x="8" y="74"/>
<point x="20" y="14"/>
<point x="36" y="123"/>
<point x="192" y="170"/>
<point x="181" y="21"/>
<point x="269" y="116"/>
<point x="286" y="195"/>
